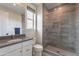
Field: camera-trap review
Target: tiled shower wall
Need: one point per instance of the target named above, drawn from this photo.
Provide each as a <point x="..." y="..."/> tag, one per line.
<point x="59" y="27"/>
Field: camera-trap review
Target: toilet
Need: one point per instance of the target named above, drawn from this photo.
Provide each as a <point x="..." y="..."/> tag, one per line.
<point x="38" y="49"/>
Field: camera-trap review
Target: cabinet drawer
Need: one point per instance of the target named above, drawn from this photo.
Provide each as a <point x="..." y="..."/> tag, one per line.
<point x="26" y="43"/>
<point x="27" y="50"/>
<point x="10" y="48"/>
<point x="17" y="52"/>
<point x="28" y="54"/>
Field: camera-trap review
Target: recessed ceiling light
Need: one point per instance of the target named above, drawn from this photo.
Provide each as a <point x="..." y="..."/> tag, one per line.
<point x="55" y="9"/>
<point x="14" y="4"/>
<point x="59" y="8"/>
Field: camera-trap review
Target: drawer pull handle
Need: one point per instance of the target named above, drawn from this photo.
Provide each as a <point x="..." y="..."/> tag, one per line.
<point x="21" y="51"/>
<point x="27" y="50"/>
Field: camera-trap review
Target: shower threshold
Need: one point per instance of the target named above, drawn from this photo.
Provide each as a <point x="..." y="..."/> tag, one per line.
<point x="53" y="51"/>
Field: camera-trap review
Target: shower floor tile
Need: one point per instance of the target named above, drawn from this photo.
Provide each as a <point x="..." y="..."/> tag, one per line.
<point x="53" y="51"/>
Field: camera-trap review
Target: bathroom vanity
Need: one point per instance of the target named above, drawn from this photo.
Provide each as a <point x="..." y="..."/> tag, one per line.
<point x="15" y="36"/>
<point x="16" y="46"/>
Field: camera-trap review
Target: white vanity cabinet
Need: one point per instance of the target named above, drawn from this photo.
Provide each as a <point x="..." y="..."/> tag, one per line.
<point x="17" y="52"/>
<point x="19" y="49"/>
<point x="10" y="49"/>
<point x="27" y="48"/>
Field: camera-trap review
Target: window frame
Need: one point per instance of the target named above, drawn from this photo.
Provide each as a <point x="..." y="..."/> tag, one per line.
<point x="34" y="19"/>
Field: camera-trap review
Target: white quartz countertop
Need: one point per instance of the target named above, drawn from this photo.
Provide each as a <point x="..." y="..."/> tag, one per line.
<point x="7" y="42"/>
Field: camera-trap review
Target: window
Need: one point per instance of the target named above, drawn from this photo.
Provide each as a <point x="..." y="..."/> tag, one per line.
<point x="31" y="18"/>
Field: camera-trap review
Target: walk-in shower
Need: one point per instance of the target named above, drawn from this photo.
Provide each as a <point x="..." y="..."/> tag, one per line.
<point x="61" y="27"/>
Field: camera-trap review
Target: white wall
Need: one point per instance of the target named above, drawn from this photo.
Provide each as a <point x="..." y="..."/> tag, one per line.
<point x="8" y="21"/>
<point x="39" y="24"/>
<point x="3" y="22"/>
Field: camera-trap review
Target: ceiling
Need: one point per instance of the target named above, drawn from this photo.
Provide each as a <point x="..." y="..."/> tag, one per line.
<point x="36" y="4"/>
<point x="21" y="10"/>
<point x="18" y="8"/>
<point x="11" y="7"/>
<point x="51" y="5"/>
